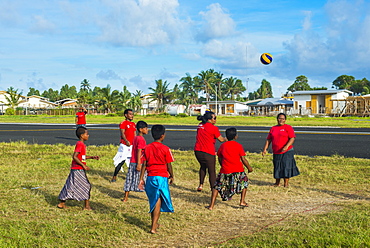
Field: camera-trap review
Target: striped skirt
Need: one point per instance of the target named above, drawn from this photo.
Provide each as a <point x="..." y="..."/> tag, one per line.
<point x="77" y="187"/>
<point x="132" y="179"/>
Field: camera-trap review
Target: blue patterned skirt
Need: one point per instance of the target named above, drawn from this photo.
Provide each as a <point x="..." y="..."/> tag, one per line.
<point x="231" y="184"/>
<point x="133" y="179"/>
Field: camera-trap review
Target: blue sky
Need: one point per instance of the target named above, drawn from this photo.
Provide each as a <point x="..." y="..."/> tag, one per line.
<point x="47" y="43"/>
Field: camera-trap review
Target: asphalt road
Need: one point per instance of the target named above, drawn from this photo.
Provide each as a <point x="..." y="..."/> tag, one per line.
<point x="348" y="142"/>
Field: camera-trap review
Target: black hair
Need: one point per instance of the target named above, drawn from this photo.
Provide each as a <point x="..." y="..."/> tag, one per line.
<point x="281" y="114"/>
<point x="126" y="111"/>
<point x="141" y="124"/>
<point x="231" y="133"/>
<point x="207" y="116"/>
<point x="80" y="131"/>
<point x="157" y="131"/>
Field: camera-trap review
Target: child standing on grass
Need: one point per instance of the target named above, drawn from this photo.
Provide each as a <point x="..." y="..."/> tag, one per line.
<point x="133" y="174"/>
<point x="77" y="186"/>
<point x="232" y="178"/>
<point x="158" y="158"/>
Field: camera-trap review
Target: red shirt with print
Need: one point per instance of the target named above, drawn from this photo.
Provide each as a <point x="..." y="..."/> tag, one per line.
<point x="230" y="153"/>
<point x="81" y="149"/>
<point x="157" y="157"/>
<point x="138" y="143"/>
<point x="130" y="129"/>
<point x="207" y="134"/>
<point x="279" y="136"/>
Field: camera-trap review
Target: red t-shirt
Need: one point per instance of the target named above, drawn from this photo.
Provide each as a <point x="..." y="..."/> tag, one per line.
<point x="81" y="119"/>
<point x="81" y="149"/>
<point x="130" y="129"/>
<point x="138" y="143"/>
<point x="157" y="156"/>
<point x="230" y="153"/>
<point x="207" y="134"/>
<point x="279" y="136"/>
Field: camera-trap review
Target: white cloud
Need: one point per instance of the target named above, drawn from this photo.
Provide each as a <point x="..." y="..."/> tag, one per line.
<point x="217" y="23"/>
<point x="41" y="25"/>
<point x="342" y="49"/>
<point x="141" y="23"/>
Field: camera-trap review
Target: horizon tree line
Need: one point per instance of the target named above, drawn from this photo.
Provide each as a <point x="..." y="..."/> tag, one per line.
<point x="207" y="85"/>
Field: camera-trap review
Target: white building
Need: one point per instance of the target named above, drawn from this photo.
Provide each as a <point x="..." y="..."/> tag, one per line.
<point x="230" y="107"/>
<point x="36" y="102"/>
<point x="319" y="101"/>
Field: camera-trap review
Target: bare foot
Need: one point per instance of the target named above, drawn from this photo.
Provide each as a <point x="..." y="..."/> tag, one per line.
<point x="62" y="206"/>
<point x="244" y="204"/>
<point x="209" y="207"/>
<point x="88" y="209"/>
<point x="286" y="186"/>
<point x="124" y="199"/>
<point x="153" y="231"/>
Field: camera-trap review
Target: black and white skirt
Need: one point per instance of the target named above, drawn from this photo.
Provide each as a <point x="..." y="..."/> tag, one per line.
<point x="77" y="187"/>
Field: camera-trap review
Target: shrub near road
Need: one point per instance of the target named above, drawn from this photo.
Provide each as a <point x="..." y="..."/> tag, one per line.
<point x="351" y="122"/>
<point x="326" y="206"/>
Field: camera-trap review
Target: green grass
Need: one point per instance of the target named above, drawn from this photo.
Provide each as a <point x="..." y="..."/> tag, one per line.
<point x="353" y="122"/>
<point x="326" y="206"/>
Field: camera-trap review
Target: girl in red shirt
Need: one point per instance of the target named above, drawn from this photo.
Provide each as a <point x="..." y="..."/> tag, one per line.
<point x="282" y="137"/>
<point x="77" y="186"/>
<point x="204" y="149"/>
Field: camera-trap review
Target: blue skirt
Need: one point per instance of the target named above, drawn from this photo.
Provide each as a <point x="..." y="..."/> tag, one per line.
<point x="157" y="187"/>
<point x="285" y="165"/>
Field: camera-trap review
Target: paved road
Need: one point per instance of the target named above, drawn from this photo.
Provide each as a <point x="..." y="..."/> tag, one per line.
<point x="349" y="142"/>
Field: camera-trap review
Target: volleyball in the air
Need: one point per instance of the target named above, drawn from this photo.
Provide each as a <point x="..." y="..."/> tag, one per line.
<point x="266" y="58"/>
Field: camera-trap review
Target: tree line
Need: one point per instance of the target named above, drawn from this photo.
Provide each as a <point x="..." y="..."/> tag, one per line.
<point x="207" y="85"/>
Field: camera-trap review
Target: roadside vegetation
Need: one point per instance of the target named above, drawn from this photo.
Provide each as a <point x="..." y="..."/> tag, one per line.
<point x="165" y="119"/>
<point x="326" y="206"/>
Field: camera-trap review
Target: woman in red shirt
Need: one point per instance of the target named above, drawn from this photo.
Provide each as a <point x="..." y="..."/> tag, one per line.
<point x="204" y="148"/>
<point x="282" y="137"/>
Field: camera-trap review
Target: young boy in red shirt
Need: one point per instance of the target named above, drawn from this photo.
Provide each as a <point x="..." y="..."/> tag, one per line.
<point x="158" y="158"/>
<point x="77" y="186"/>
<point x="232" y="179"/>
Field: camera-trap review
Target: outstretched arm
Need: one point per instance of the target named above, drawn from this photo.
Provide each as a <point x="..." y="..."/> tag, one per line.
<point x="267" y="144"/>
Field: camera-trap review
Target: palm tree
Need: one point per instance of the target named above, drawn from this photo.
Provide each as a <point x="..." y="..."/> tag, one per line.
<point x="189" y="86"/>
<point x="85" y="85"/>
<point x="233" y="87"/>
<point x="135" y="101"/>
<point x="13" y="97"/>
<point x="203" y="79"/>
<point x="109" y="99"/>
<point x="160" y="93"/>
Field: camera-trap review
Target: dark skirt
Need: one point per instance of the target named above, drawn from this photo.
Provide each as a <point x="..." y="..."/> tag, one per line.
<point x="285" y="165"/>
<point x="77" y="187"/>
<point x="231" y="184"/>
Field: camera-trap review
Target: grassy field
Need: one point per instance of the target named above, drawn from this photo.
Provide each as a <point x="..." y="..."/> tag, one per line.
<point x="326" y="206"/>
<point x="353" y="122"/>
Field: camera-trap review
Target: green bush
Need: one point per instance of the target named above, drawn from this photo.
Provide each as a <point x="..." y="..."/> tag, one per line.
<point x="182" y="115"/>
<point x="10" y="111"/>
